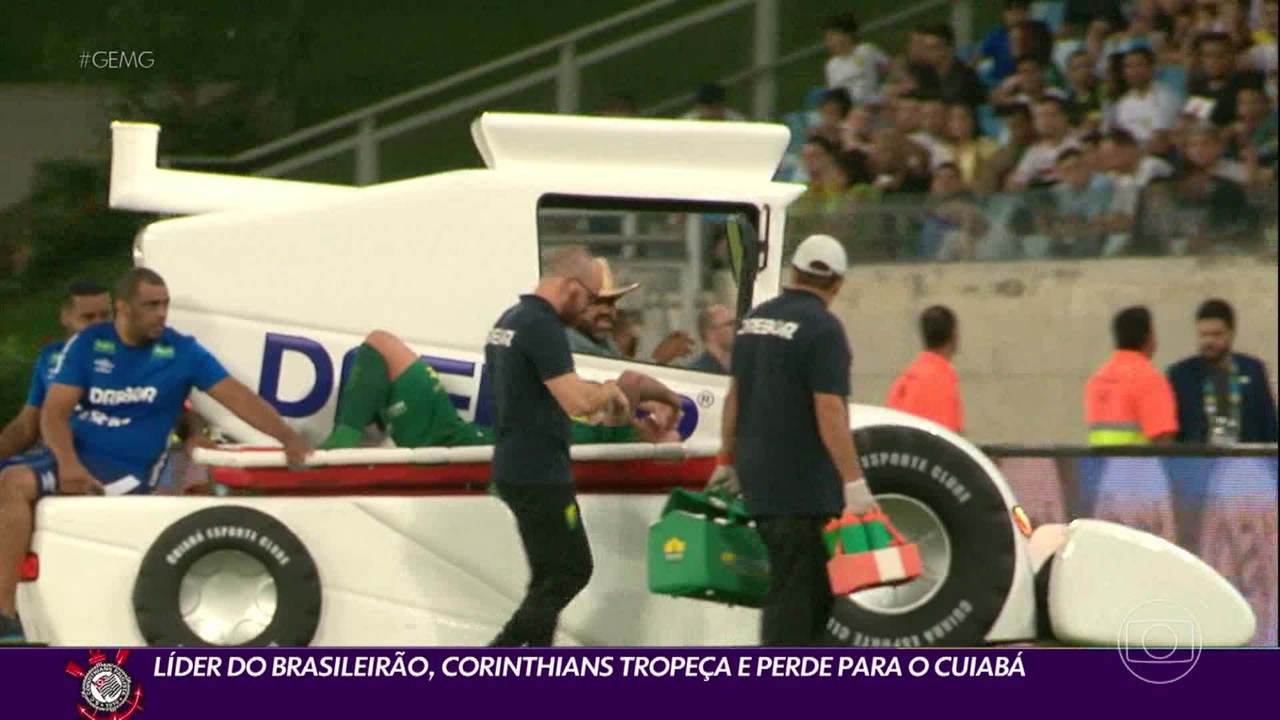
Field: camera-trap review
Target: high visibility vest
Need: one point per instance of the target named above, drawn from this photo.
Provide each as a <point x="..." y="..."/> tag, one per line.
<point x="1126" y="400"/>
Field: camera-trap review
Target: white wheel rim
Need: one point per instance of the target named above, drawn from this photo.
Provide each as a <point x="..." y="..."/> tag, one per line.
<point x="227" y="597"/>
<point x="919" y="524"/>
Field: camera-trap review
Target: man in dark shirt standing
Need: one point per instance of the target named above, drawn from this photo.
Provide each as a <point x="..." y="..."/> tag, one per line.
<point x="1224" y="397"/>
<point x="536" y="390"/>
<point x="786" y="439"/>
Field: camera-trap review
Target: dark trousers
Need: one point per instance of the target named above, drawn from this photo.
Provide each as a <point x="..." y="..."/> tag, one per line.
<point x="559" y="556"/>
<point x="799" y="601"/>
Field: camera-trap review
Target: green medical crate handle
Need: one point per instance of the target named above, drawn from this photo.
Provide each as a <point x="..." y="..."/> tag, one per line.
<point x="711" y="505"/>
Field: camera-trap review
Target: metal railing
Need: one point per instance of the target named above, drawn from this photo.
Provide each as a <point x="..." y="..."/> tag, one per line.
<point x="362" y="132"/>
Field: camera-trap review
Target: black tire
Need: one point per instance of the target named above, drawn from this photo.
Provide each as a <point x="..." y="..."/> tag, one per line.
<point x="923" y="466"/>
<point x="227" y="527"/>
<point x="1044" y="624"/>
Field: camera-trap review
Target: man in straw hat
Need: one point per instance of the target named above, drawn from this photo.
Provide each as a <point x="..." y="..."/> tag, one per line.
<point x="592" y="334"/>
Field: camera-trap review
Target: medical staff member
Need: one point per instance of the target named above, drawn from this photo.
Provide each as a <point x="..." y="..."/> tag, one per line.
<point x="1224" y="397"/>
<point x="87" y="303"/>
<point x="786" y="442"/>
<point x="1128" y="401"/>
<point x="116" y="394"/>
<point x="536" y="391"/>
<point x="929" y="387"/>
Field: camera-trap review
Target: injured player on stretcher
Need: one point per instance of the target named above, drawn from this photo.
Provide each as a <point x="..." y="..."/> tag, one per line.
<point x="389" y="383"/>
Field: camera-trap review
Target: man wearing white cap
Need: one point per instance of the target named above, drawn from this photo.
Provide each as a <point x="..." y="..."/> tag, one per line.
<point x="786" y="442"/>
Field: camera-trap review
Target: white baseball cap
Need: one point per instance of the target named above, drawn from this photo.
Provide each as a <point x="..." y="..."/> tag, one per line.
<point x="821" y="255"/>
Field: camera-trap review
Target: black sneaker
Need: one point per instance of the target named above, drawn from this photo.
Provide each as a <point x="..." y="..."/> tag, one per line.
<point x="11" y="631"/>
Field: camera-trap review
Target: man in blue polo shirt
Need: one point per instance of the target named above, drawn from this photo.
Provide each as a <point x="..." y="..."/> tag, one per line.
<point x="87" y="303"/>
<point x="536" y="391"/>
<point x="786" y="442"/>
<point x="1224" y="397"/>
<point x="116" y="394"/>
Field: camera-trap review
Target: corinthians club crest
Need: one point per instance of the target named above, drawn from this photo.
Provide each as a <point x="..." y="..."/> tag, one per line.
<point x="108" y="691"/>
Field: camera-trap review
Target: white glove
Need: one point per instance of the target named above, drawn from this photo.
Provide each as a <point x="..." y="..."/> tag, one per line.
<point x="857" y="497"/>
<point x="725" y="480"/>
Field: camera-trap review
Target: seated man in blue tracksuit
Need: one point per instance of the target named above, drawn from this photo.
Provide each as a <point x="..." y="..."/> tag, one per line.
<point x="86" y="303"/>
<point x="1223" y="397"/>
<point x="116" y="393"/>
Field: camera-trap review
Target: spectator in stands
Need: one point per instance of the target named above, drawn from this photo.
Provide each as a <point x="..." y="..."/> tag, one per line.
<point x="899" y="165"/>
<point x="1215" y="82"/>
<point x="832" y="111"/>
<point x="816" y="162"/>
<point x="906" y="113"/>
<point x="996" y="46"/>
<point x="942" y="74"/>
<point x="1224" y="397"/>
<point x="905" y="68"/>
<point x="831" y="202"/>
<point x="716" y="328"/>
<point x="709" y="104"/>
<point x="1038" y="166"/>
<point x="929" y="387"/>
<point x="1262" y="56"/>
<point x="1090" y="151"/>
<point x="1027" y="86"/>
<point x="1034" y="38"/>
<point x="932" y="135"/>
<point x="1083" y="92"/>
<point x="1078" y="14"/>
<point x="1130" y="172"/>
<point x="855" y="131"/>
<point x="1081" y="200"/>
<point x="1205" y="18"/>
<point x="1252" y="137"/>
<point x="1171" y="21"/>
<point x="859" y="68"/>
<point x="1148" y="109"/>
<point x="1197" y="211"/>
<point x="820" y="157"/>
<point x="953" y="223"/>
<point x="1136" y="34"/>
<point x="1021" y="135"/>
<point x="1234" y="19"/>
<point x="973" y="153"/>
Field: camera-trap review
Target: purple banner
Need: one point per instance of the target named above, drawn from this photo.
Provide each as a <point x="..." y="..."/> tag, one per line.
<point x="147" y="684"/>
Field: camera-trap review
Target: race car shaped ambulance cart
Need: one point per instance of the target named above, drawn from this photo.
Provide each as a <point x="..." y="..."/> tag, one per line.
<point x="385" y="546"/>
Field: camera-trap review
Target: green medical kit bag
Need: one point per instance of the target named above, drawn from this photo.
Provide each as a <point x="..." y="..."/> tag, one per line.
<point x="705" y="547"/>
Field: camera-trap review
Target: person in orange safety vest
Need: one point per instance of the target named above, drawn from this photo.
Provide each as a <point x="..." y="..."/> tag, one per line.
<point x="1128" y="401"/>
<point x="929" y="387"/>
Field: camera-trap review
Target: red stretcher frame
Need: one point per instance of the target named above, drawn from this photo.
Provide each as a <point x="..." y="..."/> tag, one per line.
<point x="599" y="476"/>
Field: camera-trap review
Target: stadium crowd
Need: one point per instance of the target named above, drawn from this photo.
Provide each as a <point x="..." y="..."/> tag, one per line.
<point x="1120" y="128"/>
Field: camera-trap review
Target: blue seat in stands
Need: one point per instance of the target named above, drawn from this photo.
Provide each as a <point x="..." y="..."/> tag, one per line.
<point x="813" y="98"/>
<point x="1050" y="13"/>
<point x="992" y="125"/>
<point x="798" y="124"/>
<point x="1175" y="76"/>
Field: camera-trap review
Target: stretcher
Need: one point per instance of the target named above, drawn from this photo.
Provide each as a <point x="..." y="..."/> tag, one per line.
<point x="606" y="468"/>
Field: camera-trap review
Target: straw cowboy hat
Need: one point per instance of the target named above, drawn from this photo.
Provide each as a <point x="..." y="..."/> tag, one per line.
<point x="609" y="289"/>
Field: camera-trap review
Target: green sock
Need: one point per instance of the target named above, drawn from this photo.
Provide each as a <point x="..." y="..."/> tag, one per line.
<point x="363" y="396"/>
